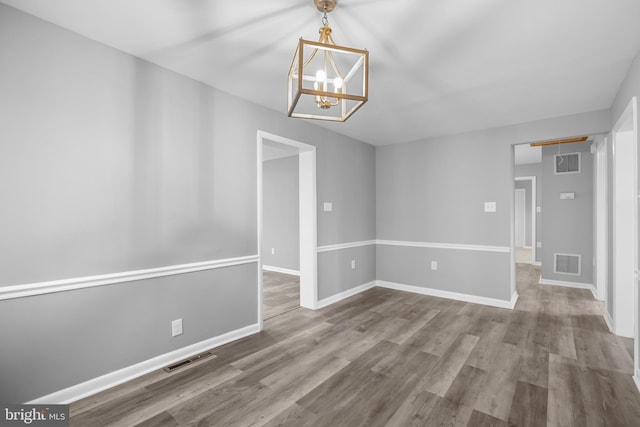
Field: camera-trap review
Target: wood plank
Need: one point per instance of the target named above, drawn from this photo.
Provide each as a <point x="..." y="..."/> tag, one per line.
<point x="529" y="406"/>
<point x="385" y="357"/>
<point x="565" y="406"/>
<point x="447" y="369"/>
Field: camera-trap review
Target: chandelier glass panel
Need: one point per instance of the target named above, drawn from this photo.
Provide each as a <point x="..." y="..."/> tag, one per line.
<point x="327" y="81"/>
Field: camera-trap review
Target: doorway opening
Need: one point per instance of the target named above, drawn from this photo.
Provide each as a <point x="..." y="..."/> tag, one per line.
<point x="525" y="219"/>
<point x="307" y="228"/>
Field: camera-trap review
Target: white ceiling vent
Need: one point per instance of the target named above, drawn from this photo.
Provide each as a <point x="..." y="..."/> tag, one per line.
<point x="567" y="264"/>
<point x="567" y="163"/>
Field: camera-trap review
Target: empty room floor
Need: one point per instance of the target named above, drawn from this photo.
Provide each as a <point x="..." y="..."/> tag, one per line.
<point x="280" y="293"/>
<point x="393" y="358"/>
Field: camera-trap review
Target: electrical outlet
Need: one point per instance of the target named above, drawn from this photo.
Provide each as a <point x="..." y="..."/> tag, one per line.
<point x="176" y="327"/>
<point x="434" y="265"/>
<point x="353" y="264"/>
<point x="538" y="244"/>
<point x="490" y="206"/>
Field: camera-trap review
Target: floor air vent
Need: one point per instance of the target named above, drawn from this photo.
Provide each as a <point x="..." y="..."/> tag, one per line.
<point x="186" y="362"/>
<point x="567" y="264"/>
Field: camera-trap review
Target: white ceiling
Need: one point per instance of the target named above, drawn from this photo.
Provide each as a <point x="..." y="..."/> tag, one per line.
<point x="437" y="66"/>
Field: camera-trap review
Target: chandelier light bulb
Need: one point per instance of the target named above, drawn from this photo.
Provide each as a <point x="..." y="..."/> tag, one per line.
<point x="337" y="83"/>
<point x="321" y="76"/>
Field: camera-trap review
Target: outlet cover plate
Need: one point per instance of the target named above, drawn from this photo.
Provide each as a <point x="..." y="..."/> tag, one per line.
<point x="176" y="327"/>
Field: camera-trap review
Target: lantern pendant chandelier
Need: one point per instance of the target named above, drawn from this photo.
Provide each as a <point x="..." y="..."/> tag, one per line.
<point x="327" y="81"/>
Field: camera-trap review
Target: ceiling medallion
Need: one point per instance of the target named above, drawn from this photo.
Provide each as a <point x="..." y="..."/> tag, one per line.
<point x="327" y="81"/>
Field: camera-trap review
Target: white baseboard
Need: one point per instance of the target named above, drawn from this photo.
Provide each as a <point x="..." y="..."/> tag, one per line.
<point x="588" y="286"/>
<point x="514" y="300"/>
<point x="346" y="294"/>
<point x="450" y="295"/>
<point x="281" y="270"/>
<point x="96" y="385"/>
<point x="636" y="379"/>
<point x="609" y="321"/>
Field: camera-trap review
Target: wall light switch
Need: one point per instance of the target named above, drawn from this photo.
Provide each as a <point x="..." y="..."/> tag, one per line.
<point x="538" y="244"/>
<point x="489" y="206"/>
<point x="353" y="264"/>
<point x="328" y="206"/>
<point x="176" y="327"/>
<point x="538" y="209"/>
<point x="273" y="251"/>
<point x="434" y="265"/>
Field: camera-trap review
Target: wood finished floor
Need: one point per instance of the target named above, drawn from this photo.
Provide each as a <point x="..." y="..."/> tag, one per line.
<point x="280" y="293"/>
<point x="390" y="358"/>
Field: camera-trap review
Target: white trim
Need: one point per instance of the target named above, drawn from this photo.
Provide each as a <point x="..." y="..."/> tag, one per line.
<point x="327" y="248"/>
<point x="308" y="228"/>
<point x="537" y="263"/>
<point x="96" y="385"/>
<point x="346" y="294"/>
<point x="259" y="202"/>
<point x="307" y="192"/>
<point x="450" y="295"/>
<point x="281" y="270"/>
<point x="463" y="247"/>
<point x="40" y="288"/>
<point x="577" y="285"/>
<point x="601" y="211"/>
<point x="609" y="320"/>
<point x="636" y="379"/>
<point x="624" y="220"/>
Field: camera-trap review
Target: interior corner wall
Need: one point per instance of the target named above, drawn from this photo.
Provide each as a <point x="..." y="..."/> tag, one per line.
<point x="629" y="88"/>
<point x="534" y="169"/>
<point x="567" y="225"/>
<point x="430" y="197"/>
<point x="281" y="213"/>
<point x="110" y="164"/>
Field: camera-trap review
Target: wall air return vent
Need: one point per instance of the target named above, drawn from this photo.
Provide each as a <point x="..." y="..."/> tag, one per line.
<point x="567" y="163"/>
<point x="567" y="264"/>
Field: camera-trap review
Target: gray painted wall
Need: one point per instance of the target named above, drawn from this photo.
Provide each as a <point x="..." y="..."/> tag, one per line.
<point x="281" y="213"/>
<point x="526" y="186"/>
<point x="434" y="191"/>
<point x="110" y="164"/>
<point x="630" y="87"/>
<point x="334" y="269"/>
<point x="534" y="169"/>
<point x="65" y="338"/>
<point x="567" y="225"/>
